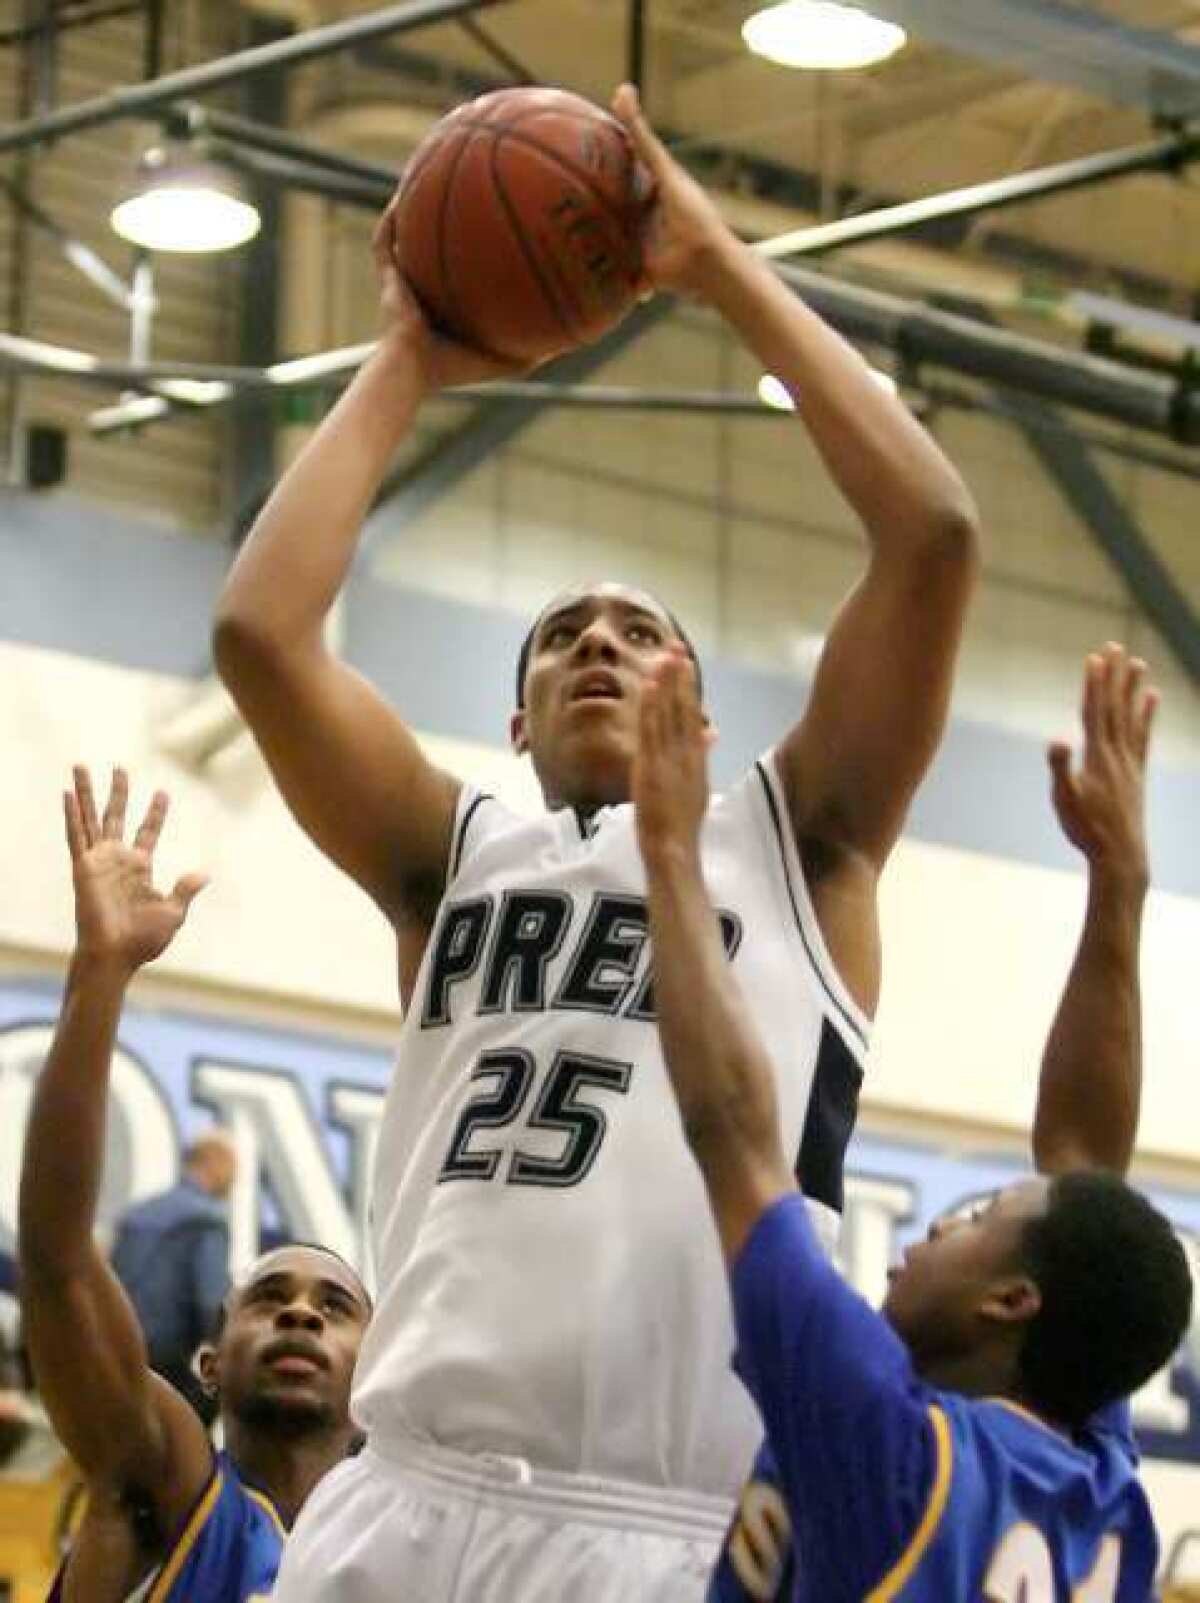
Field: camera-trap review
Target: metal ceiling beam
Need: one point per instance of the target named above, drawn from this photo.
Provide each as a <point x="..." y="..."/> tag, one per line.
<point x="1068" y="464"/>
<point x="920" y="335"/>
<point x="63" y="20"/>
<point x="190" y="120"/>
<point x="635" y="45"/>
<point x="1170" y="154"/>
<point x="262" y="267"/>
<point x="289" y="160"/>
<point x="311" y="178"/>
<point x="414" y="490"/>
<point x="137" y="100"/>
<point x="82" y="257"/>
<point x="1064" y="43"/>
<point x="504" y="59"/>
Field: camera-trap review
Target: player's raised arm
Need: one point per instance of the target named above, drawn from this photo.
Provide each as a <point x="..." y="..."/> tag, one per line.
<point x="882" y="690"/>
<point x="121" y="1424"/>
<point x="718" y="1067"/>
<point x="1089" y="1093"/>
<point x="832" y="1383"/>
<point x="348" y="767"/>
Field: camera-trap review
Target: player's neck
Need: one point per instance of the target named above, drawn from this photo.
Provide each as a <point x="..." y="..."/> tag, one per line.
<point x="584" y="810"/>
<point x="974" y="1374"/>
<point x="284" y="1465"/>
<point x="607" y="786"/>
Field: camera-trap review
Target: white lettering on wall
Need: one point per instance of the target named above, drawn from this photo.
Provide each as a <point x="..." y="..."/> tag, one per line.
<point x="874" y="1209"/>
<point x="142" y="1146"/>
<point x="359" y="1111"/>
<point x="278" y="1142"/>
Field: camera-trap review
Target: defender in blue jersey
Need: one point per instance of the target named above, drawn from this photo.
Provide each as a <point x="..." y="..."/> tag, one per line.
<point x="166" y="1519"/>
<point x="1087" y="1103"/>
<point x="973" y="1443"/>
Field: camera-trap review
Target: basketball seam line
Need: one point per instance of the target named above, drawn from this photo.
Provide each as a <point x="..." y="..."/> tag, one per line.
<point x="512" y="131"/>
<point x="452" y="306"/>
<point x="548" y="289"/>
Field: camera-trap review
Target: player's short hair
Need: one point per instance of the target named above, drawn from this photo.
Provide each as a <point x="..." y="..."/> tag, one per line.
<point x="284" y="1246"/>
<point x="1116" y="1296"/>
<point x="681" y="634"/>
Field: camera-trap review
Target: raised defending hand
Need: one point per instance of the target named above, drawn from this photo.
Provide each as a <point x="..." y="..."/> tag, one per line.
<point x="670" y="771"/>
<point x="120" y="918"/>
<point x="1101" y="804"/>
<point x="685" y="233"/>
<point x="444" y="362"/>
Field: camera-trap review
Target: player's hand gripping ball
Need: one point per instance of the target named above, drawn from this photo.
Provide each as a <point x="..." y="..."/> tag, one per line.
<point x="518" y="223"/>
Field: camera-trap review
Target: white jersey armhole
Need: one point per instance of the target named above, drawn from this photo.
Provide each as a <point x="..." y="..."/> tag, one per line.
<point x="466" y="833"/>
<point x="844" y="1012"/>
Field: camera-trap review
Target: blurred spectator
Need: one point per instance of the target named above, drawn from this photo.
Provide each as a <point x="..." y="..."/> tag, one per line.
<point x="171" y="1254"/>
<point x="14" y="1409"/>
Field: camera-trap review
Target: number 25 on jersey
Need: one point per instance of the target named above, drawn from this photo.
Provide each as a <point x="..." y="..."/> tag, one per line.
<point x="566" y="1107"/>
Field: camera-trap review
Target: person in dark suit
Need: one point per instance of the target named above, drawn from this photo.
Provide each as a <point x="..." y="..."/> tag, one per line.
<point x="171" y="1254"/>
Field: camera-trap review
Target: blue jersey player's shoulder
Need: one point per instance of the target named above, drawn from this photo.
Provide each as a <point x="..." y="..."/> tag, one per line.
<point x="228" y="1550"/>
<point x="1031" y="1511"/>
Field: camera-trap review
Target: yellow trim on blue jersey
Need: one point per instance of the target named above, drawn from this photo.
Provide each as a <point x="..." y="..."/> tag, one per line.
<point x="166" y="1576"/>
<point x="896" y="1578"/>
<point x="264" y="1501"/>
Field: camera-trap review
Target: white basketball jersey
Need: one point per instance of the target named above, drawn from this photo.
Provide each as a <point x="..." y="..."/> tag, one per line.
<point x="551" y="1284"/>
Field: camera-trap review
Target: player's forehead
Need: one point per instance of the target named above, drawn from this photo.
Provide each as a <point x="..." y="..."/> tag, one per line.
<point x="300" y="1267"/>
<point x="1022" y="1200"/>
<point x="1016" y="1202"/>
<point x="604" y="595"/>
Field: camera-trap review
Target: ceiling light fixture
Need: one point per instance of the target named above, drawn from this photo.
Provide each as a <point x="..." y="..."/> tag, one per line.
<point x="821" y="35"/>
<point x="182" y="201"/>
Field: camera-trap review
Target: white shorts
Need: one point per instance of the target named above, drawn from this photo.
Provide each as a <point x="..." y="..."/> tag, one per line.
<point x="426" y="1525"/>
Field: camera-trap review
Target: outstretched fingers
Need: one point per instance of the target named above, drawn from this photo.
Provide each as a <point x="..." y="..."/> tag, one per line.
<point x="85" y="801"/>
<point x="627" y="109"/>
<point x="1113" y="679"/>
<point x="73" y="820"/>
<point x="1143" y="722"/>
<point x="1064" y="781"/>
<point x="113" y="823"/>
<point x="650" y="721"/>
<point x="151" y="826"/>
<point x="1092" y="711"/>
<point x="383" y="239"/>
<point x="187" y="888"/>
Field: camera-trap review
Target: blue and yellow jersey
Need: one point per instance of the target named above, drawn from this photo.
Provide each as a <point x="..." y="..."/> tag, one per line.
<point x="874" y="1486"/>
<point x="228" y="1551"/>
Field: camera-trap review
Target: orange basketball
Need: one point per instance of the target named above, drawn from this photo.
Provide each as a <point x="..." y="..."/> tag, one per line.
<point x="519" y="223"/>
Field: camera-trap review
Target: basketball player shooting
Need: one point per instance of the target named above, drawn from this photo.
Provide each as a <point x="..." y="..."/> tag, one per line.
<point x="166" y="1519"/>
<point x="973" y="1441"/>
<point x="546" y="1378"/>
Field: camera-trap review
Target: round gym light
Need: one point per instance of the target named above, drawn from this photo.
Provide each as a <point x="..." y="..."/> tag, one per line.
<point x="183" y="201"/>
<point x="821" y="35"/>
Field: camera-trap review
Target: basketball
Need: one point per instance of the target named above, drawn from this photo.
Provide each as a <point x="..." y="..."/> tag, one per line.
<point x="518" y="227"/>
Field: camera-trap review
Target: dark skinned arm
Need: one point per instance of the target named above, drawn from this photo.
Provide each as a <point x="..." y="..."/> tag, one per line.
<point x="881" y="694"/>
<point x="349" y="768"/>
<point x="122" y="1425"/>
<point x="1089" y="1092"/>
<point x="717" y="1064"/>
